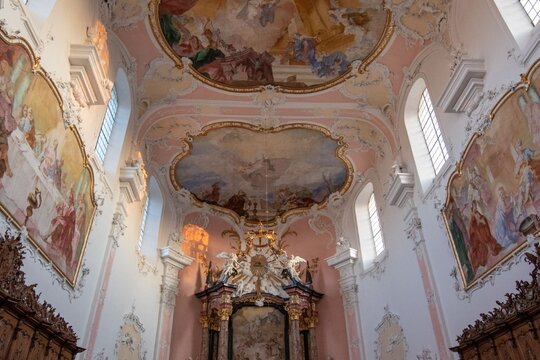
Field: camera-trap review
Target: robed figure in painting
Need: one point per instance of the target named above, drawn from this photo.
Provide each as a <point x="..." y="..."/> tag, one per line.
<point x="482" y="244"/>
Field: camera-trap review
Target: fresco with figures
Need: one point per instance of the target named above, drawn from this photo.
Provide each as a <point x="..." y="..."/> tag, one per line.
<point x="258" y="333"/>
<point x="232" y="168"/>
<point x="292" y="43"/>
<point x="45" y="182"/>
<point x="496" y="186"/>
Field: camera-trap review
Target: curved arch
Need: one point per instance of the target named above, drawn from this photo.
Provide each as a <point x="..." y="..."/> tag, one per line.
<point x="426" y="167"/>
<point x="121" y="121"/>
<point x="151" y="221"/>
<point x="368" y="227"/>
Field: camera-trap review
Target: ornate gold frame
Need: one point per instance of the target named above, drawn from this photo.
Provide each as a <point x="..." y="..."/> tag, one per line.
<point x="153" y="16"/>
<point x="39" y="71"/>
<point x="523" y="84"/>
<point x="340" y="154"/>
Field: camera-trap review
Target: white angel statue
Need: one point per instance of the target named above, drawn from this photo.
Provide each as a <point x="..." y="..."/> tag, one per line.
<point x="231" y="265"/>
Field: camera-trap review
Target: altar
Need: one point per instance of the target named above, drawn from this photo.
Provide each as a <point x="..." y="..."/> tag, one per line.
<point x="259" y="308"/>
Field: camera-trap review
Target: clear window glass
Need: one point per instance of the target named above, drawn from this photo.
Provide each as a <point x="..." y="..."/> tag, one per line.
<point x="432" y="133"/>
<point x="143" y="223"/>
<point x="107" y="126"/>
<point x="375" y="225"/>
<point x="532" y="8"/>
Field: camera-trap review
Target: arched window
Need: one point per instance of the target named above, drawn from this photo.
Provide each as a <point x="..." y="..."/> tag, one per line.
<point x="369" y="227"/>
<point x="150" y="221"/>
<point x="532" y="8"/>
<point x="113" y="129"/>
<point x="107" y="126"/>
<point x="425" y="136"/>
<point x="432" y="132"/>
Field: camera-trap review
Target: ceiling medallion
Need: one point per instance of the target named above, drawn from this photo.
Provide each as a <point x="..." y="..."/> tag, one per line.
<point x="229" y="167"/>
<point x="299" y="46"/>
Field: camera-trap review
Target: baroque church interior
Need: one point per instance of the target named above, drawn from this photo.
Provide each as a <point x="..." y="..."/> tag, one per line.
<point x="269" y="179"/>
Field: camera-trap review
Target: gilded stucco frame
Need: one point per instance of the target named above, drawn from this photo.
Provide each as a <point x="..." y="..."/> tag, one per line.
<point x="340" y="154"/>
<point x="153" y="16"/>
<point x="522" y="84"/>
<point x="37" y="70"/>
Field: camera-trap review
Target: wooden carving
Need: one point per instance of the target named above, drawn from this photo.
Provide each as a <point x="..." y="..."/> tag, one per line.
<point x="509" y="331"/>
<point x="29" y="328"/>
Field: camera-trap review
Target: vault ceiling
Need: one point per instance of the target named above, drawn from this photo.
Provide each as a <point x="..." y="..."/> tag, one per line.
<point x="179" y="99"/>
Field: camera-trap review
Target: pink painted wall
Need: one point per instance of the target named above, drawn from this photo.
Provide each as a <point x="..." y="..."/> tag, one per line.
<point x="186" y="330"/>
<point x="331" y="332"/>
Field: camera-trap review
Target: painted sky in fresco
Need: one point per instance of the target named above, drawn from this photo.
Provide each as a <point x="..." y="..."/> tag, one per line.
<point x="285" y="42"/>
<point x="232" y="168"/>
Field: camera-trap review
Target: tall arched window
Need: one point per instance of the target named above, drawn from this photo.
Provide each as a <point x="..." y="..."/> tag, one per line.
<point x="425" y="136"/>
<point x="369" y="227"/>
<point x="107" y="126"/>
<point x="432" y="133"/>
<point x="115" y="122"/>
<point x="150" y="221"/>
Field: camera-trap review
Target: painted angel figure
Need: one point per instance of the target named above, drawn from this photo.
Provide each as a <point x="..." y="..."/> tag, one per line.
<point x="231" y="265"/>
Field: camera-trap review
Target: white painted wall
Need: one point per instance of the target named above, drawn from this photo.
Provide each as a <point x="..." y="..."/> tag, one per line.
<point x="128" y="286"/>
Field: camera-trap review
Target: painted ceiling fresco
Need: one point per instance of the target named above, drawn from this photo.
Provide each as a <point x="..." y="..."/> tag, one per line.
<point x="291" y="43"/>
<point x="262" y="175"/>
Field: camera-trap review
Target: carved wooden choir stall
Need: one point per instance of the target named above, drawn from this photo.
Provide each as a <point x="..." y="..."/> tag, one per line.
<point x="29" y="329"/>
<point x="510" y="331"/>
<point x="259" y="308"/>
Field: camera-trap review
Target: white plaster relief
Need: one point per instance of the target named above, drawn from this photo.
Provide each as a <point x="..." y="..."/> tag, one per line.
<point x="377" y="268"/>
<point x="426" y="355"/>
<point x="124" y="14"/>
<point x="391" y="342"/>
<point x="117" y="228"/>
<point x="129" y="342"/>
<point x="143" y="264"/>
<point x="479" y="115"/>
<point x="437" y="10"/>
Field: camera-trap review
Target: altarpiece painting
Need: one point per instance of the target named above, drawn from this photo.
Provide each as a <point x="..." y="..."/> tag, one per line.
<point x="258" y="333"/>
<point x="495" y="187"/>
<point x="46" y="184"/>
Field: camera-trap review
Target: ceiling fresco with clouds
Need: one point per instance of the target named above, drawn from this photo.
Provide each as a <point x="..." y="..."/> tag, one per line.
<point x="240" y="169"/>
<point x="291" y="43"/>
<point x="176" y="102"/>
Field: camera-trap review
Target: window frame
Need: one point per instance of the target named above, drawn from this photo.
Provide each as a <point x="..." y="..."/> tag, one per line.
<point x="534" y="8"/>
<point x="107" y="126"/>
<point x="431" y="132"/>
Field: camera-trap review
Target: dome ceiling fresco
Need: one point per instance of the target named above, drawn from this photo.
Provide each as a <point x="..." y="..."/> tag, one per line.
<point x="290" y="43"/>
<point x="239" y="169"/>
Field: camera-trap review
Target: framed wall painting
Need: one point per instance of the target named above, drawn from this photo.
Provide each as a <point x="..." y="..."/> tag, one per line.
<point x="259" y="333"/>
<point x="46" y="183"/>
<point x="496" y="187"/>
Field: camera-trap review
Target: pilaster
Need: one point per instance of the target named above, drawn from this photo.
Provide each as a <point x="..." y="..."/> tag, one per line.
<point x="402" y="196"/>
<point x="173" y="263"/>
<point x="343" y="261"/>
